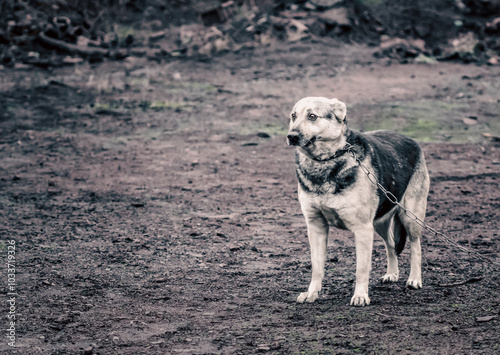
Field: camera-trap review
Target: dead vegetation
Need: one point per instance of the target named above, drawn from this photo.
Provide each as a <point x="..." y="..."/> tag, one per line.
<point x="52" y="33"/>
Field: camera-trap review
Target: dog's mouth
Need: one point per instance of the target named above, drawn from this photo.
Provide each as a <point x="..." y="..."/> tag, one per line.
<point x="309" y="142"/>
<point x="298" y="139"/>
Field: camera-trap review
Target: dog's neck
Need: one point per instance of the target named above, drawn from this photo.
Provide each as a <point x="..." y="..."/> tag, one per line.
<point x="344" y="148"/>
<point x="336" y="155"/>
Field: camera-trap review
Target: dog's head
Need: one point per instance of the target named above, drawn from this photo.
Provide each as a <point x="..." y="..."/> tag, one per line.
<point x="318" y="126"/>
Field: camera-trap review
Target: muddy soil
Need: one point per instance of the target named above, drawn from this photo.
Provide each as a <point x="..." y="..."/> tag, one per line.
<point x="154" y="208"/>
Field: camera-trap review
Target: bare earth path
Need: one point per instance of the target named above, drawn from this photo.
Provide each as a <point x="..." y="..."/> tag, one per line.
<point x="154" y="207"/>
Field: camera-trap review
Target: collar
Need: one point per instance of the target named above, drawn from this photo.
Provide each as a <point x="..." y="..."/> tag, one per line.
<point x="337" y="154"/>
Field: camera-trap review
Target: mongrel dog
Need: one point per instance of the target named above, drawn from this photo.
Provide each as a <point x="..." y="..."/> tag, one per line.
<point x="334" y="191"/>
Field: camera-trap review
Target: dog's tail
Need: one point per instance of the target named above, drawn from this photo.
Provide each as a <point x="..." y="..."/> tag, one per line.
<point x="399" y="234"/>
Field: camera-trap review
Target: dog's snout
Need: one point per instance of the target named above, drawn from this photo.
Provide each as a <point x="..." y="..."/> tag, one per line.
<point x="293" y="138"/>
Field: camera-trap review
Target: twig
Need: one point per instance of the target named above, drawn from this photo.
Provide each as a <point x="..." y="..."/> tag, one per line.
<point x="471" y="280"/>
<point x="73" y="48"/>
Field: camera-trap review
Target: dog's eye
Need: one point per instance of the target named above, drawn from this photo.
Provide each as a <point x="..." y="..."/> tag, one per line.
<point x="294" y="116"/>
<point x="312" y="117"/>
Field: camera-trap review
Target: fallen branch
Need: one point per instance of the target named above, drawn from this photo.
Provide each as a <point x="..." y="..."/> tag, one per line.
<point x="73" y="48"/>
<point x="471" y="280"/>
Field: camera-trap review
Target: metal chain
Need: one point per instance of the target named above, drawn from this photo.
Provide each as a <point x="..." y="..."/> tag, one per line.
<point x="390" y="196"/>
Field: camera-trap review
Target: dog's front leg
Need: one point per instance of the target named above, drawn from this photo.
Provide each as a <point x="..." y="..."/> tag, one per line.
<point x="364" y="245"/>
<point x="317" y="231"/>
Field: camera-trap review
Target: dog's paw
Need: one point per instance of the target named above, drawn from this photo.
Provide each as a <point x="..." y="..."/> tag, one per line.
<point x="388" y="278"/>
<point x="360" y="300"/>
<point x="414" y="283"/>
<point x="309" y="297"/>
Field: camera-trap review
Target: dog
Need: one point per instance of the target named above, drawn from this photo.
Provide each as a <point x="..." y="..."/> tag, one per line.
<point x="334" y="191"/>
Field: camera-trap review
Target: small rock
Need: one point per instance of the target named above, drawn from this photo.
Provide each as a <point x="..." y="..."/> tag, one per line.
<point x="296" y="31"/>
<point x="85" y="42"/>
<point x="325" y="4"/>
<point x="21" y="66"/>
<point x="138" y="52"/>
<point x="492" y="137"/>
<point x="335" y="17"/>
<point x="485" y="319"/>
<point x="423" y="59"/>
<point x="263" y="135"/>
<point x="35" y="55"/>
<point x="310" y="6"/>
<point x="493" y="61"/>
<point x="221" y="45"/>
<point x="263" y="348"/>
<point x="288" y="14"/>
<point x="206" y="49"/>
<point x="157" y="35"/>
<point x="469" y="121"/>
<point x="72" y="60"/>
<point x="463" y="48"/>
<point x="88" y="350"/>
<point x="63" y="319"/>
<point x="56" y="327"/>
<point x="493" y="25"/>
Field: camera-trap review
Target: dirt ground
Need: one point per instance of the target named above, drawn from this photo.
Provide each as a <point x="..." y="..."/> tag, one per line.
<point x="154" y="207"/>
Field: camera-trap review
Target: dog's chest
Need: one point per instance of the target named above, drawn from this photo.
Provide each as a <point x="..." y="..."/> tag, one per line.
<point x="325" y="178"/>
<point x="331" y="207"/>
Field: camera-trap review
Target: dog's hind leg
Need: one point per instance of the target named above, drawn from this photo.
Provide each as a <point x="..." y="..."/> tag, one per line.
<point x="415" y="200"/>
<point x="414" y="231"/>
<point x="388" y="231"/>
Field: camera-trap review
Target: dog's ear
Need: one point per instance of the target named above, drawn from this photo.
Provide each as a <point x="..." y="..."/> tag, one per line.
<point x="339" y="110"/>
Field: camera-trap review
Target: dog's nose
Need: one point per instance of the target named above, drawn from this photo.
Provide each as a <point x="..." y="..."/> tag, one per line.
<point x="293" y="138"/>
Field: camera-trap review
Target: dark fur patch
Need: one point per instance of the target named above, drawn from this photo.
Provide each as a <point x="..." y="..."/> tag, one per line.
<point x="394" y="158"/>
<point x="301" y="182"/>
<point x="331" y="172"/>
<point x="336" y="169"/>
<point x="346" y="178"/>
<point x="337" y="221"/>
<point x="399" y="234"/>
